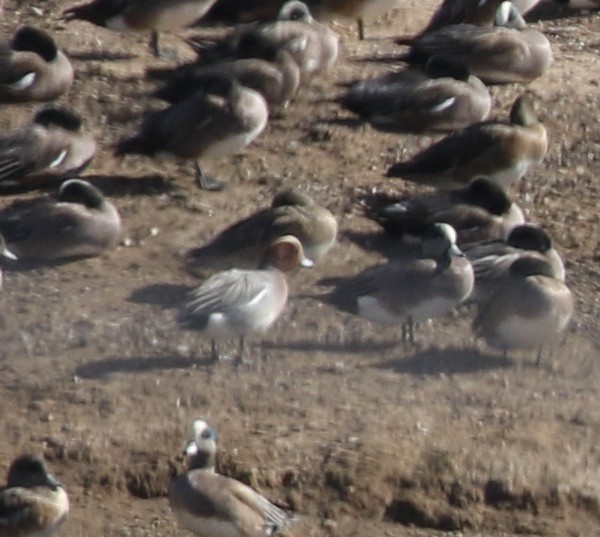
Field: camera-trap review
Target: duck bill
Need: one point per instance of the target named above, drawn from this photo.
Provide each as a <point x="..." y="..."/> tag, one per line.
<point x="51" y="481"/>
<point x="191" y="449"/>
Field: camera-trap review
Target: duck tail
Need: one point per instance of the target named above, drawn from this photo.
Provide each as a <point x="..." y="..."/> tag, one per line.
<point x="131" y="146"/>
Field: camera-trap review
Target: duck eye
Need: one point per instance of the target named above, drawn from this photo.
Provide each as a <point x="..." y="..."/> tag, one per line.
<point x="205" y="434"/>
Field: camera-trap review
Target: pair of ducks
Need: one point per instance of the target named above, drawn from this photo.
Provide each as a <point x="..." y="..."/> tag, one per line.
<point x="448" y="93"/>
<point x="204" y="502"/>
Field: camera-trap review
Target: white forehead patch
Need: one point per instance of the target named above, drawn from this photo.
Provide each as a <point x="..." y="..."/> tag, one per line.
<point x="196" y="429"/>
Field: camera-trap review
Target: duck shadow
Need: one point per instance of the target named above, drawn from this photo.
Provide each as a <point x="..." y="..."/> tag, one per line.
<point x="450" y="360"/>
<point x="380" y="242"/>
<point x="355" y="347"/>
<point x="394" y="58"/>
<point x="104" y="368"/>
<point x="165" y="295"/>
<point x="100" y="55"/>
<point x="121" y="186"/>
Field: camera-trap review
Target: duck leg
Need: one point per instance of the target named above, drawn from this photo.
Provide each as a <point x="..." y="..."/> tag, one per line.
<point x="214" y="351"/>
<point x="154" y="43"/>
<point x="241" y="351"/>
<point x="360" y="23"/>
<point x="538" y="359"/>
<point x="206" y="182"/>
<point x="408" y="331"/>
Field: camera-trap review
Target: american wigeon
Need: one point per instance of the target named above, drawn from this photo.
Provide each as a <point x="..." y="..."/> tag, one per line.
<point x="481" y="210"/>
<point x="496" y="55"/>
<point x="212" y="505"/>
<point x="141" y="15"/>
<point x="221" y="118"/>
<point x="527" y="307"/>
<point x="78" y="222"/>
<point x="502" y="152"/>
<point x="32" y="68"/>
<point x="262" y="66"/>
<point x="243" y="244"/>
<point x="442" y="97"/>
<point x="33" y="503"/>
<point x="52" y="147"/>
<point x="491" y="259"/>
<point x="314" y="46"/>
<point x="408" y="290"/>
<point x="238" y="302"/>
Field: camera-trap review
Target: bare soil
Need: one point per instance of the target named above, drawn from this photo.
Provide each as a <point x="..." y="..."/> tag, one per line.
<point x="334" y="417"/>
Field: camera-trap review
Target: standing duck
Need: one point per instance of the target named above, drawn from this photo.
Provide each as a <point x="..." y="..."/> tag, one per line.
<point x="221" y="118"/>
<point x="141" y="15"/>
<point x="408" y="290"/>
<point x="236" y="302"/>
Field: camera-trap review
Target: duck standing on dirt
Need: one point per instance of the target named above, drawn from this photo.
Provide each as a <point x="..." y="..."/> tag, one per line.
<point x="51" y="148"/>
<point x="408" y="290"/>
<point x="79" y="222"/>
<point x="221" y="118"/>
<point x="141" y="15"/>
<point x="502" y="152"/>
<point x="33" y="503"/>
<point x="236" y="302"/>
<point x="526" y="308"/>
<point x="212" y="505"/>
<point x="33" y="68"/>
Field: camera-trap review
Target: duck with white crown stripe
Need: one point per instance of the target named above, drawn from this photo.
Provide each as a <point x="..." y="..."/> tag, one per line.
<point x="212" y="505"/>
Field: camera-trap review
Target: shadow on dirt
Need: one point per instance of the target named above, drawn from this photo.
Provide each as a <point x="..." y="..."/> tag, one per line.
<point x="165" y="295"/>
<point x="449" y="361"/>
<point x="106" y="367"/>
<point x="380" y="242"/>
<point x="333" y="346"/>
<point x="117" y="186"/>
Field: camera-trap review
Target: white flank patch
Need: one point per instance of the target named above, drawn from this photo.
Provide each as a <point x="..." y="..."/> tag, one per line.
<point x="58" y="160"/>
<point x="24" y="82"/>
<point x="444" y="104"/>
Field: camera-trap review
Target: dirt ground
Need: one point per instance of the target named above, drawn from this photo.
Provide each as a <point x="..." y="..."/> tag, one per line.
<point x="333" y="418"/>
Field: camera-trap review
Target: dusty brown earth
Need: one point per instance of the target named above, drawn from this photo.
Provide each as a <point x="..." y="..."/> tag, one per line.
<point x="333" y="418"/>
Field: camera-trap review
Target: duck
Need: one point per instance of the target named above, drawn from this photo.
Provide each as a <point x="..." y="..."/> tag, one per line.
<point x="492" y="258"/>
<point x="53" y="147"/>
<point x="443" y="96"/>
<point x="244" y="11"/>
<point x="292" y="212"/>
<point x="79" y="222"/>
<point x="313" y="45"/>
<point x="209" y="504"/>
<point x="476" y="12"/>
<point x="496" y="55"/>
<point x="480" y="211"/>
<point x="412" y="289"/>
<point x="221" y="118"/>
<point x="33" y="503"/>
<point x="502" y="152"/>
<point x="141" y="15"/>
<point x="238" y="302"/>
<point x="262" y="66"/>
<point x="33" y="68"/>
<point x="526" y="308"/>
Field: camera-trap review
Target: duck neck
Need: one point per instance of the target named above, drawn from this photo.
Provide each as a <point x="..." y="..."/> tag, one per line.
<point x="202" y="461"/>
